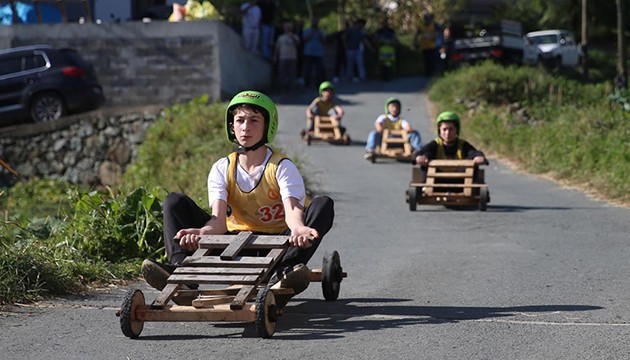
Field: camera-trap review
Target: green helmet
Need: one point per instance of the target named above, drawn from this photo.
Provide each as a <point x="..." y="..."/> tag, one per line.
<point x="389" y="101"/>
<point x="260" y="100"/>
<point x="447" y="116"/>
<point x="326" y="85"/>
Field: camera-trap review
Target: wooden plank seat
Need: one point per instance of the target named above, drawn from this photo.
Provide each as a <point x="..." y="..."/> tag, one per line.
<point x="242" y="273"/>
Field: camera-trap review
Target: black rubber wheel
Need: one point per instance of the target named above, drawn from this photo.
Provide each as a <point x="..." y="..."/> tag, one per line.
<point x="309" y="139"/>
<point x="373" y="158"/>
<point x="346" y="139"/>
<point x="47" y="106"/>
<point x="483" y="199"/>
<point x="332" y="274"/>
<point x="131" y="327"/>
<point x="412" y="198"/>
<point x="266" y="316"/>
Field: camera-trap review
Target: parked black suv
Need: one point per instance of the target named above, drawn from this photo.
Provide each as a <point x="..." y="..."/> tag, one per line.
<point x="45" y="83"/>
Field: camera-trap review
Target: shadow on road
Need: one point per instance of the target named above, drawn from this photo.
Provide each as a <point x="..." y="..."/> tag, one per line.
<point x="333" y="319"/>
<point x="517" y="208"/>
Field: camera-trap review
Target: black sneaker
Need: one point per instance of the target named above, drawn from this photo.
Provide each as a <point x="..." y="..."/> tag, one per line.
<point x="296" y="278"/>
<point x="156" y="274"/>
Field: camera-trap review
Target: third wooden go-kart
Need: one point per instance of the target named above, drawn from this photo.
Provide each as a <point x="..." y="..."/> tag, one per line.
<point x="454" y="183"/>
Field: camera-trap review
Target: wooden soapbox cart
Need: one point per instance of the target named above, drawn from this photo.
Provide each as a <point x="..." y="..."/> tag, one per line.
<point x="448" y="183"/>
<point x="232" y="287"/>
<point x="327" y="128"/>
<point x="394" y="145"/>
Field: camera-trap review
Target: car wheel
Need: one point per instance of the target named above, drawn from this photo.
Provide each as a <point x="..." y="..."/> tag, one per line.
<point x="47" y="106"/>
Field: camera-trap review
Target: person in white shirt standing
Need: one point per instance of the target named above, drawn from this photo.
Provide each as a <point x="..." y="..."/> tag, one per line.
<point x="251" y="25"/>
<point x="285" y="56"/>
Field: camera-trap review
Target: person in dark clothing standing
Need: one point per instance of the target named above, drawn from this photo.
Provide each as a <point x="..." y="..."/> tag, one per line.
<point x="313" y="40"/>
<point x="267" y="28"/>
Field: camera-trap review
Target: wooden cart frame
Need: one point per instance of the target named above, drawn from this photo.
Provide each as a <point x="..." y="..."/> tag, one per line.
<point x="327" y="128"/>
<point x="394" y="145"/>
<point x="438" y="188"/>
<point x="232" y="286"/>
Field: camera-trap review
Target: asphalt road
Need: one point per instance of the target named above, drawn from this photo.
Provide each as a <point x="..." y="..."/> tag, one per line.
<point x="543" y="274"/>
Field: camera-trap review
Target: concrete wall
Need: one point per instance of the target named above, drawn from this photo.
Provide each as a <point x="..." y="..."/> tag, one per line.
<point x="157" y="62"/>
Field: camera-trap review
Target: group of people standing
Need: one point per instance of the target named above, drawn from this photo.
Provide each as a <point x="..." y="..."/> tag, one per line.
<point x="435" y="41"/>
<point x="298" y="53"/>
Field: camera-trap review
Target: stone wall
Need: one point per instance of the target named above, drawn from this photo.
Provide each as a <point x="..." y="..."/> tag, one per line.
<point x="157" y="62"/>
<point x="94" y="149"/>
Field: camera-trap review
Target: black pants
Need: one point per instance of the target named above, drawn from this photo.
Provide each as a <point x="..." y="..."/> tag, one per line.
<point x="181" y="212"/>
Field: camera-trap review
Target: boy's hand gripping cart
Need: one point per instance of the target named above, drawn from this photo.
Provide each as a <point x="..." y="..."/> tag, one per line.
<point x="448" y="183"/>
<point x="327" y="128"/>
<point x="232" y="287"/>
<point x="394" y="145"/>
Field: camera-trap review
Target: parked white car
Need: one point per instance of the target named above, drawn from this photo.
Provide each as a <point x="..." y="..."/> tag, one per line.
<point x="553" y="48"/>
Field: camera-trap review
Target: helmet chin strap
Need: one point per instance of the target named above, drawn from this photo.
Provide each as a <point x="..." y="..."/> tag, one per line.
<point x="242" y="149"/>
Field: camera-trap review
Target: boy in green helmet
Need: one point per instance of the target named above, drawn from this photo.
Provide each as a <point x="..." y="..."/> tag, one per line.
<point x="393" y="121"/>
<point x="323" y="105"/>
<point x="448" y="144"/>
<point x="255" y="188"/>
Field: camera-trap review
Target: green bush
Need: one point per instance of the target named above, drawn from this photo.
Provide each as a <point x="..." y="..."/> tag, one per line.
<point x="117" y="228"/>
<point x="180" y="148"/>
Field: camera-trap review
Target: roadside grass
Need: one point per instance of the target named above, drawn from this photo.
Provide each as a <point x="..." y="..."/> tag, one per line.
<point x="546" y="122"/>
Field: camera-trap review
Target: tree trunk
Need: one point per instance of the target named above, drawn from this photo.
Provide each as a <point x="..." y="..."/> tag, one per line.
<point x="87" y="11"/>
<point x="62" y="9"/>
<point x="38" y="10"/>
<point x="621" y="81"/>
<point x="584" y="39"/>
<point x="14" y="12"/>
<point x="341" y="10"/>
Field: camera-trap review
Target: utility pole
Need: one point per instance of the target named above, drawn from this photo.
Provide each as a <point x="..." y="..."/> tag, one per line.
<point x="584" y="40"/>
<point x="621" y="81"/>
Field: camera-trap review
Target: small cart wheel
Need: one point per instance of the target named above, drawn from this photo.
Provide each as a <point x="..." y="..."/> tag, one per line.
<point x="309" y="139"/>
<point x="483" y="199"/>
<point x="412" y="198"/>
<point x="128" y="323"/>
<point x="373" y="157"/>
<point x="346" y="139"/>
<point x="332" y="274"/>
<point x="266" y="316"/>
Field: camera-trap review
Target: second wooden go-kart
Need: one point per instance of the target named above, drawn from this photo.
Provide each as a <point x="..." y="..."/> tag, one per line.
<point x="232" y="285"/>
<point x="327" y="128"/>
<point x="449" y="183"/>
